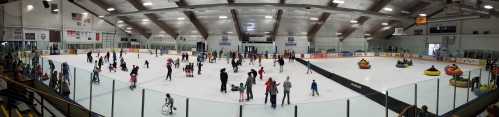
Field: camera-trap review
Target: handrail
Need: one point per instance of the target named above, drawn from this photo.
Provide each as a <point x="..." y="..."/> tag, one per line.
<point x="44" y="94"/>
<point x="4" y="111"/>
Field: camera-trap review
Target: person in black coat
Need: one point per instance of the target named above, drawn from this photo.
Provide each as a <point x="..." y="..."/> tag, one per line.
<point x="253" y="75"/>
<point x="281" y="64"/>
<point x="223" y="78"/>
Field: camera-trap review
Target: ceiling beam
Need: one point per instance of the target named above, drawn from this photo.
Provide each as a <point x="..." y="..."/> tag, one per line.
<point x="194" y="20"/>
<point x="136" y="27"/>
<point x="376" y="7"/>
<point x="308" y="7"/>
<point x="277" y="22"/>
<point x="322" y="20"/>
<point x="235" y="20"/>
<point x="313" y="31"/>
<point x="275" y="29"/>
<point x="237" y="25"/>
<point x="155" y="19"/>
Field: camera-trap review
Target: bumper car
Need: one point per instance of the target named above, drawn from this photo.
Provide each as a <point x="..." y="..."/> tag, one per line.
<point x="401" y="65"/>
<point x="409" y="63"/>
<point x="453" y="71"/>
<point x="432" y="73"/>
<point x="364" y="66"/>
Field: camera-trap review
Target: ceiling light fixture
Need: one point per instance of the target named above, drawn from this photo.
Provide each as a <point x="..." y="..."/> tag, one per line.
<point x="85" y="13"/>
<point x="339" y="33"/>
<point x="229" y="32"/>
<point x="100" y="16"/>
<point x="55" y="10"/>
<point x="145" y="20"/>
<point x="387" y="9"/>
<point x="268" y="17"/>
<point x="354" y="21"/>
<point x="314" y="18"/>
<point x="338" y="1"/>
<point x="110" y="9"/>
<point x="147" y="3"/>
<point x="488" y="7"/>
<point x="181" y="18"/>
<point x="129" y="28"/>
<point x="385" y="24"/>
<point x="119" y="21"/>
<point x="222" y="17"/>
<point x="422" y="15"/>
<point x="29" y="7"/>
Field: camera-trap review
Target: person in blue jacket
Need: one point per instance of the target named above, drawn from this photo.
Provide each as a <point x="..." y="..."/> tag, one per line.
<point x="314" y="88"/>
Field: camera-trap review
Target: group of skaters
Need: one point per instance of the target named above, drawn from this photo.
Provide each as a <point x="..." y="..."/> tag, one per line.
<point x="271" y="89"/>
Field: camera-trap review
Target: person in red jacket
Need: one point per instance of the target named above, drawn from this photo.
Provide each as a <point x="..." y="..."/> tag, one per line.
<point x="268" y="85"/>
<point x="261" y="71"/>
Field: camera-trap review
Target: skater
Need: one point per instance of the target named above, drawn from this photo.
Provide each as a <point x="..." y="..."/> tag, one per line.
<point x="51" y="66"/>
<point x="169" y="73"/>
<point x="168" y="106"/>
<point x="260" y="72"/>
<point x="268" y="85"/>
<point x="223" y="79"/>
<point x="89" y="57"/>
<point x="107" y="56"/>
<point x="249" y="87"/>
<point x="234" y="65"/>
<point x="121" y="52"/>
<point x="308" y="67"/>
<point x="177" y="63"/>
<point x="147" y="64"/>
<point x="273" y="94"/>
<point x="314" y="88"/>
<point x="281" y="64"/>
<point x="259" y="60"/>
<point x="114" y="56"/>
<point x="53" y="80"/>
<point x="101" y="62"/>
<point x="65" y="72"/>
<point x="253" y="74"/>
<point x="133" y="77"/>
<point x="95" y="75"/>
<point x="286" y="86"/>
<point x="241" y="92"/>
<point x="199" y="67"/>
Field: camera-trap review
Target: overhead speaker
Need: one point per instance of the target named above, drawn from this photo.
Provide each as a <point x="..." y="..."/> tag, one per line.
<point x="46" y="4"/>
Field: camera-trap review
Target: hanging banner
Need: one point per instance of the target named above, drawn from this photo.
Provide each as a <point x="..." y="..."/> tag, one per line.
<point x="97" y="37"/>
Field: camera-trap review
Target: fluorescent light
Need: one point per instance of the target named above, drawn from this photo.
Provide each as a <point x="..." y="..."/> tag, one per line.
<point x="145" y="20"/>
<point x="266" y="32"/>
<point x="119" y="21"/>
<point x="488" y="7"/>
<point x="385" y="24"/>
<point x="367" y="34"/>
<point x="387" y="9"/>
<point x="181" y="18"/>
<point x="85" y="13"/>
<point x="314" y="18"/>
<point x="229" y="32"/>
<point x="268" y="17"/>
<point x="338" y="1"/>
<point x="48" y="0"/>
<point x="110" y="9"/>
<point x="55" y="10"/>
<point x="354" y="21"/>
<point x="422" y="15"/>
<point x="147" y="3"/>
<point x="101" y="16"/>
<point x="129" y="28"/>
<point x="386" y="28"/>
<point x="339" y="33"/>
<point x="222" y="17"/>
<point x="29" y="7"/>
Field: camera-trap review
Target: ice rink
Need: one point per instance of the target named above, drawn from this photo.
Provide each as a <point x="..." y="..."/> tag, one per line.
<point x="203" y="90"/>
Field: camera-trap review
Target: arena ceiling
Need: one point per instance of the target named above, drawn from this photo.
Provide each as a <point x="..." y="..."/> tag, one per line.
<point x="313" y="18"/>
